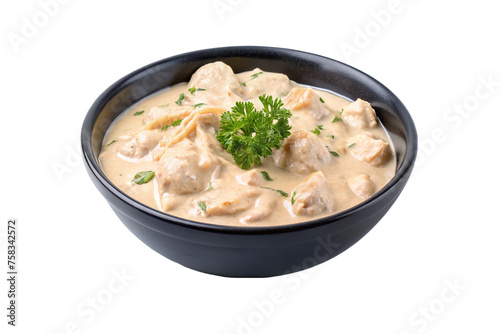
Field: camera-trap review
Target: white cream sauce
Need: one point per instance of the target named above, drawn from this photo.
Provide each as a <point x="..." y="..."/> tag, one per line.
<point x="196" y="179"/>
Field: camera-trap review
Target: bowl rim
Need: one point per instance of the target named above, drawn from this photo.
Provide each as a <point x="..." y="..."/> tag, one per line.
<point x="401" y="174"/>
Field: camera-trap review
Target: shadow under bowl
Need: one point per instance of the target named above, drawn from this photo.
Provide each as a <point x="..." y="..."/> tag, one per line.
<point x="243" y="251"/>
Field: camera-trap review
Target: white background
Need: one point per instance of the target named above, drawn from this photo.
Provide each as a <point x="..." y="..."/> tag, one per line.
<point x="431" y="264"/>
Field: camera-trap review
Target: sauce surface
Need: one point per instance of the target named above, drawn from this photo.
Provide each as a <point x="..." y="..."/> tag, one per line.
<point x="337" y="155"/>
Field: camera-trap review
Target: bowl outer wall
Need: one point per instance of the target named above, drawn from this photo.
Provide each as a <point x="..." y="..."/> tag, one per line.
<point x="199" y="245"/>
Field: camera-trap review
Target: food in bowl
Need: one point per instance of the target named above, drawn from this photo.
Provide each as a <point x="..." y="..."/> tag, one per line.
<point x="253" y="149"/>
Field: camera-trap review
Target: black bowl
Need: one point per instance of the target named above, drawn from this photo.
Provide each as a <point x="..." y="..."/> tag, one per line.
<point x="250" y="251"/>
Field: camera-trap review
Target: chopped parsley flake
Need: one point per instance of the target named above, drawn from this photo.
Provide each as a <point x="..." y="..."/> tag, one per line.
<point x="179" y="100"/>
<point x="255" y="75"/>
<point x="197" y="105"/>
<point x="177" y="122"/>
<point x="137" y="113"/>
<point x="277" y="190"/>
<point x="202" y="205"/>
<point x="321" y="100"/>
<point x="193" y="90"/>
<point x="111" y="142"/>
<point x="143" y="177"/>
<point x="266" y="175"/>
<point x="317" y="130"/>
<point x="293" y="197"/>
<point x="352" y="145"/>
<point x="337" y="119"/>
<point x="335" y="154"/>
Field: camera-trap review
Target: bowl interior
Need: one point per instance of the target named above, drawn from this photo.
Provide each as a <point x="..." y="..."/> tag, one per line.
<point x="302" y="67"/>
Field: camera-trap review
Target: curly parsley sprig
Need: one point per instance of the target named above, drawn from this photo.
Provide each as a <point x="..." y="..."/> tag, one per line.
<point x="249" y="134"/>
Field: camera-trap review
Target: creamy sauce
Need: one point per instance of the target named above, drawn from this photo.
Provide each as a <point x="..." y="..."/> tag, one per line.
<point x="196" y="178"/>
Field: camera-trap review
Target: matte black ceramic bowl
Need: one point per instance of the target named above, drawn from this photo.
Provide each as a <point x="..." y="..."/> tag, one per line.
<point x="250" y="251"/>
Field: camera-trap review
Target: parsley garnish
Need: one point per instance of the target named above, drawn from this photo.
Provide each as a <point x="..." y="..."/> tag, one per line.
<point x="336" y="119"/>
<point x="266" y="175"/>
<point x="197" y="105"/>
<point x="111" y="142"/>
<point x="202" y="205"/>
<point x="143" y="177"/>
<point x="255" y="75"/>
<point x="317" y="130"/>
<point x="209" y="186"/>
<point x="340" y="113"/>
<point x="352" y="145"/>
<point x="321" y="100"/>
<point x="280" y="191"/>
<point x="332" y="136"/>
<point x="177" y="122"/>
<point x="335" y="154"/>
<point x="179" y="100"/>
<point x="193" y="90"/>
<point x="249" y="134"/>
<point x="163" y="128"/>
<point x="137" y="113"/>
<point x="293" y="197"/>
<point x="164" y="105"/>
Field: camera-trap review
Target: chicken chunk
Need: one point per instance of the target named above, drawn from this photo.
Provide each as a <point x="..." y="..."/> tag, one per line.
<point x="313" y="196"/>
<point x="302" y="153"/>
<point x="273" y="84"/>
<point x="362" y="186"/>
<point x="141" y="144"/>
<point x="306" y="99"/>
<point x="366" y="147"/>
<point x="221" y="202"/>
<point x="360" y="114"/>
<point x="185" y="169"/>
<point x="220" y="86"/>
<point x="263" y="208"/>
<point x="251" y="178"/>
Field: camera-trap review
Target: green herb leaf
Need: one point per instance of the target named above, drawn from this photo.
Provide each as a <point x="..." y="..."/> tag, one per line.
<point x="137" y="113"/>
<point x="197" y="105"/>
<point x="202" y="205"/>
<point x="163" y="128"/>
<point x="280" y="191"/>
<point x="337" y="119"/>
<point x="255" y="75"/>
<point x="332" y="136"/>
<point x="293" y="197"/>
<point x="177" y="122"/>
<point x="143" y="177"/>
<point x="249" y="134"/>
<point x="266" y="175"/>
<point x="335" y="154"/>
<point x="317" y="130"/>
<point x="111" y="142"/>
<point x="352" y="145"/>
<point x="209" y="186"/>
<point x="164" y="105"/>
<point x="321" y="100"/>
<point x="244" y="84"/>
<point x="340" y="113"/>
<point x="193" y="90"/>
<point x="179" y="100"/>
